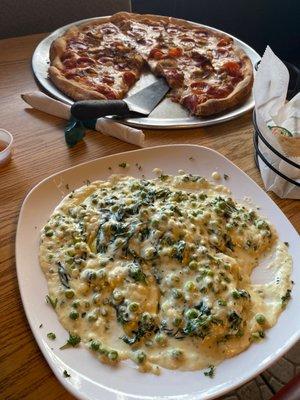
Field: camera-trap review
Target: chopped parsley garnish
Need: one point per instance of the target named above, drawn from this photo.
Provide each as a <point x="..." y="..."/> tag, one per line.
<point x="191" y="158"/>
<point x="226" y="177"/>
<point x="163" y="177"/>
<point x="66" y="375"/>
<point x="287" y="244"/>
<point x="40" y="326"/>
<point x="211" y="372"/>
<point x="52" y="302"/>
<point x="51" y="336"/>
<point x="73" y="341"/>
<point x="123" y="165"/>
<point x="286" y="298"/>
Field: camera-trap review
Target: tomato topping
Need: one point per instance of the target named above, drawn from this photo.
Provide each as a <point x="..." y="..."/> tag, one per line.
<point x="224" y="42"/>
<point x="107" y="91"/>
<point x="129" y="78"/>
<point x="232" y="68"/>
<point x="156" y="54"/>
<point x="175" y="52"/>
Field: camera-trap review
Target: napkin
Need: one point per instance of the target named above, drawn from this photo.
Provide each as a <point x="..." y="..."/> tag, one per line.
<point x="47" y="104"/>
<point x="279" y="123"/>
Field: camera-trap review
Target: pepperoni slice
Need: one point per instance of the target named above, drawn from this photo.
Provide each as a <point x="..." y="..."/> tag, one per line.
<point x="192" y="101"/>
<point x="108" y="80"/>
<point x="156" y="54"/>
<point x="69" y="63"/>
<point x="199" y="85"/>
<point x="106" y="91"/>
<point x="85" y="61"/>
<point x="200" y="59"/>
<point x="224" y="42"/>
<point x="232" y="68"/>
<point x="219" y="92"/>
<point x="174" y="77"/>
<point x="175" y="52"/>
<point x="77" y="44"/>
<point x="129" y="78"/>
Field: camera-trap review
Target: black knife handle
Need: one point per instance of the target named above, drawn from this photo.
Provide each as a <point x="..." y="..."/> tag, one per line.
<point x="90" y="109"/>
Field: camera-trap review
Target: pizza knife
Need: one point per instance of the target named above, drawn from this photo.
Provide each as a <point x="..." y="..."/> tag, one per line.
<point x="138" y="105"/>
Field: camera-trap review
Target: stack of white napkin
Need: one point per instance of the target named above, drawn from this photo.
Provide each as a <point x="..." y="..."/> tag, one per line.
<point x="44" y="103"/>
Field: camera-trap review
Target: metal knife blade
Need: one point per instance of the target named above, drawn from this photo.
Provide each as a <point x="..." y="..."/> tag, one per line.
<point x="140" y="103"/>
<point x="148" y="98"/>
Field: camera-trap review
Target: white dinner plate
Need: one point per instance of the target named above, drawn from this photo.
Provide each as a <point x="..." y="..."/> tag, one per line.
<point x="89" y="378"/>
<point x="167" y="115"/>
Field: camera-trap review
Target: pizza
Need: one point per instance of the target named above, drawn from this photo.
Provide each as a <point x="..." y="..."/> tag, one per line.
<point x="206" y="71"/>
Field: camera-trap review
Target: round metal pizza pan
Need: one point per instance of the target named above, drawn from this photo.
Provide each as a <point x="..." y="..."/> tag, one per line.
<point x="167" y="115"/>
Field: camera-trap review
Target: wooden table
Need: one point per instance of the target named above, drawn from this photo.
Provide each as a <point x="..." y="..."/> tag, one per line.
<point x="40" y="150"/>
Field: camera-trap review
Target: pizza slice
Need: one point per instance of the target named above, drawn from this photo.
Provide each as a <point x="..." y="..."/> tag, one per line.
<point x="94" y="62"/>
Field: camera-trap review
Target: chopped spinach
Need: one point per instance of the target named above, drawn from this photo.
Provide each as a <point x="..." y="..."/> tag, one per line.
<point x="63" y="276"/>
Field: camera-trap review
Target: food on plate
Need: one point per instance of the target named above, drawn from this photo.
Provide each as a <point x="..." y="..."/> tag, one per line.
<point x="159" y="271"/>
<point x="289" y="142"/>
<point x="207" y="72"/>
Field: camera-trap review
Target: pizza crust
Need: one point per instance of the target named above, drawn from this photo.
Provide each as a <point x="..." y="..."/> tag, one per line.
<point x="79" y="91"/>
<point x="71" y="88"/>
<point x="240" y="93"/>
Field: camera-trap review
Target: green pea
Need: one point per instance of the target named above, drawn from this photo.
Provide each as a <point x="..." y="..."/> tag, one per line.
<point x="49" y="233"/>
<point x="101" y="273"/>
<point x="176" y="321"/>
<point x="74" y="315"/>
<point x="222" y="303"/>
<point x="133" y="307"/>
<point x="51" y="336"/>
<point x="76" y="303"/>
<point x="97" y="299"/>
<point x="117" y="295"/>
<point x="92" y="317"/>
<point x="190" y="286"/>
<point x="69" y="293"/>
<point x="260" y="319"/>
<point x="192" y="313"/>
<point x="95" y="345"/>
<point x="160" y="338"/>
<point x="140" y="357"/>
<point x="113" y="355"/>
<point x="86" y="305"/>
<point x="235" y="294"/>
<point x="176" y="353"/>
<point x="176" y="293"/>
<point x="193" y="265"/>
